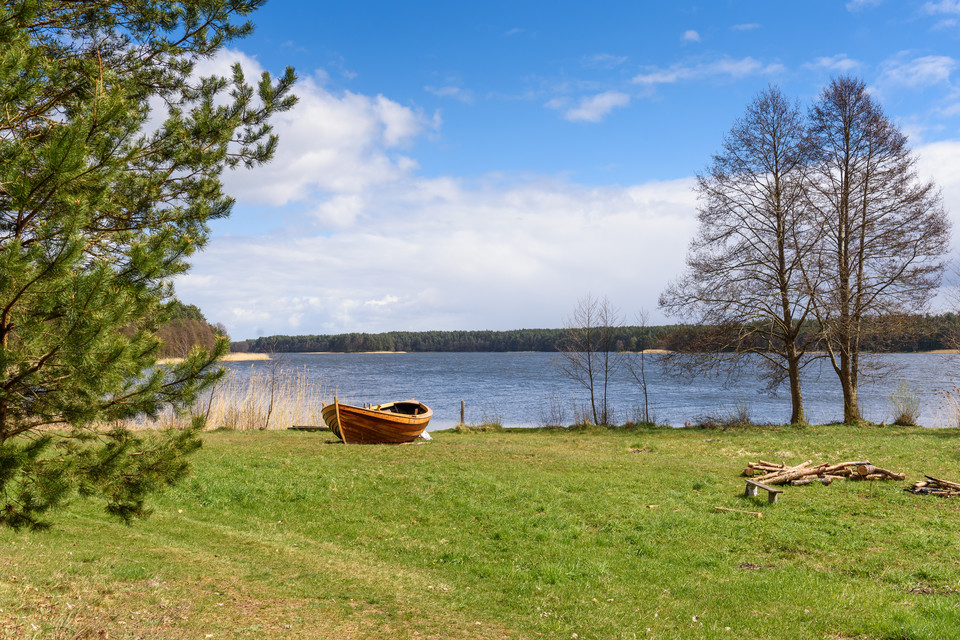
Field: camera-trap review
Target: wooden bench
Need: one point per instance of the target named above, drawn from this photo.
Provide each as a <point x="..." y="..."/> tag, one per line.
<point x="772" y="492"/>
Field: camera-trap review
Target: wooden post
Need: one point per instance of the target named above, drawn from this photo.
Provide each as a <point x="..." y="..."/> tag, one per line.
<point x="463" y="410"/>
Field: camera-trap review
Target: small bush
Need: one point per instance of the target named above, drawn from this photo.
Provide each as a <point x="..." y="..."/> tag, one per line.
<point x="906" y="405"/>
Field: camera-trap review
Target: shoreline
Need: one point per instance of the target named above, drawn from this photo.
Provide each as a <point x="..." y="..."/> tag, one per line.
<point x="258" y="356"/>
<point x="230" y="357"/>
<point x="255" y="355"/>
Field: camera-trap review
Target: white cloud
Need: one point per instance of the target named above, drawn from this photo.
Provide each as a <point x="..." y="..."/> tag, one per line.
<point x="944" y="6"/>
<point x="449" y="254"/>
<point x="839" y="63"/>
<point x="329" y="142"/>
<point x="602" y="61"/>
<point x="723" y="67"/>
<point x="594" y="108"/>
<point x="372" y="246"/>
<point x="557" y="103"/>
<point x="950" y="110"/>
<point x="451" y="91"/>
<point x="382" y="302"/>
<point x="940" y="162"/>
<point x="690" y="36"/>
<point x="340" y="211"/>
<point x="917" y="72"/>
<point x="858" y="5"/>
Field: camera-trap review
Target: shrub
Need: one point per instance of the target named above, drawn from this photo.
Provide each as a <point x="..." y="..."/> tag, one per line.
<point x="906" y="405"/>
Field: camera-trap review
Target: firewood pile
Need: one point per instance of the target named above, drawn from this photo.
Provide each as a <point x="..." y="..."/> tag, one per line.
<point x="936" y="487"/>
<point x="772" y="473"/>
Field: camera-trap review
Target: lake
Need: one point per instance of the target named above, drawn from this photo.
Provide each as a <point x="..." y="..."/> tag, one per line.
<point x="523" y="389"/>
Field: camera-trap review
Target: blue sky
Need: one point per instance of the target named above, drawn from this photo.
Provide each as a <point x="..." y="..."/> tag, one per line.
<point x="483" y="165"/>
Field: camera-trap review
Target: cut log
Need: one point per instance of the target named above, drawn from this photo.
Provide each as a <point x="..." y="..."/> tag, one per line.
<point x="870" y="470"/>
<point x="785" y="472"/>
<point x="824" y="480"/>
<point x="945" y="483"/>
<point x="791" y="474"/>
<point x="891" y="475"/>
<point x="843" y="466"/>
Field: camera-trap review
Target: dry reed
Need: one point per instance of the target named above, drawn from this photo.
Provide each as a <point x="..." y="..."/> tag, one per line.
<point x="274" y="399"/>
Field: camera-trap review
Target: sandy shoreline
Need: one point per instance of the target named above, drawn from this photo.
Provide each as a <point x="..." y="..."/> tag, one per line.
<point x="230" y="357"/>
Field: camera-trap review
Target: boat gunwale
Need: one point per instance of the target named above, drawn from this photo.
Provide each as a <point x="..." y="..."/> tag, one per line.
<point x="397" y="417"/>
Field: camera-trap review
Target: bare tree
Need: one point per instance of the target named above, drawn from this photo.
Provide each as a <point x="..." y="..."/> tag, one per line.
<point x="744" y="281"/>
<point x="636" y="365"/>
<point x="589" y="353"/>
<point x="885" y="231"/>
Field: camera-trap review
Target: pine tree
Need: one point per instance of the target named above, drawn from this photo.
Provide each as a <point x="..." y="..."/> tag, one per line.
<point x="111" y="153"/>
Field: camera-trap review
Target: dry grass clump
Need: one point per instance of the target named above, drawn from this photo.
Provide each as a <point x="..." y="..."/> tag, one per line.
<point x="905" y="403"/>
<point x="273" y="399"/>
<point x="948" y="413"/>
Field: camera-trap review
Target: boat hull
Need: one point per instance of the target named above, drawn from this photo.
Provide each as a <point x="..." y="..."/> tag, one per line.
<point x="392" y="423"/>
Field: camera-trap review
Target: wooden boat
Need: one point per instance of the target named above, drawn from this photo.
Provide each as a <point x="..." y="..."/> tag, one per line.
<point x="390" y="423"/>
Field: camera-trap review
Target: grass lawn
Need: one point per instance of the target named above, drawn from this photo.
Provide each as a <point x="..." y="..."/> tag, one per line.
<point x="514" y="534"/>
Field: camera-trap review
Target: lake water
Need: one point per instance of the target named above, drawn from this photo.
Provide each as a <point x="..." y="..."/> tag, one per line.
<point x="522" y="389"/>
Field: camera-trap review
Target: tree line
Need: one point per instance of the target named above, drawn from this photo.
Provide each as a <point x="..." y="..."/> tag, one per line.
<point x="627" y="339"/>
<point x="908" y="334"/>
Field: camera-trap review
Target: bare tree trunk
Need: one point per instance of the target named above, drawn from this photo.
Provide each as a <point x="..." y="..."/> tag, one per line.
<point x="796" y="397"/>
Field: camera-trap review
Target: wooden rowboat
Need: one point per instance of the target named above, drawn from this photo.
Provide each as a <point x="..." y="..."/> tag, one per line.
<point x="390" y="423"/>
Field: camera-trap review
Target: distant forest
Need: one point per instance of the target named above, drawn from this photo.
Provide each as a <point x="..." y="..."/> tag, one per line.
<point x="906" y="334"/>
<point x="517" y="340"/>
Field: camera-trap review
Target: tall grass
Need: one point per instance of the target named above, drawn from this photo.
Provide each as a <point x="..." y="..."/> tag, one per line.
<point x="488" y="422"/>
<point x="905" y="403"/>
<point x="273" y="399"/>
<point x="948" y="413"/>
<point x="552" y="414"/>
<point x="739" y="415"/>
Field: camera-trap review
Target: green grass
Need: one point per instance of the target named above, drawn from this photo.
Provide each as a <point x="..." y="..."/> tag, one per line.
<point x="586" y="533"/>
